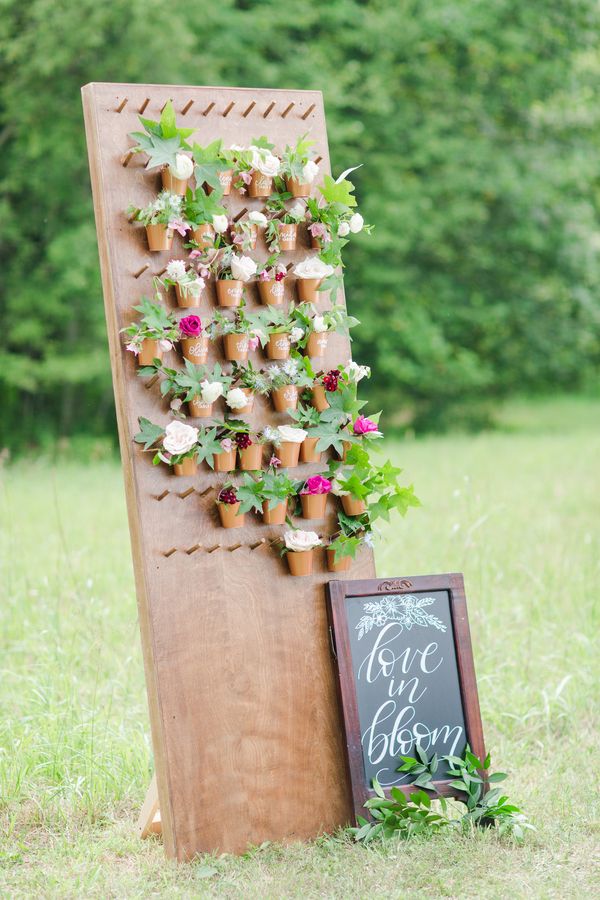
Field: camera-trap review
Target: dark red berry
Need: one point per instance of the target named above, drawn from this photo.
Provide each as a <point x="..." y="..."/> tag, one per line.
<point x="227" y="495"/>
<point x="243" y="441"/>
<point x="280" y="276"/>
<point x="330" y="381"/>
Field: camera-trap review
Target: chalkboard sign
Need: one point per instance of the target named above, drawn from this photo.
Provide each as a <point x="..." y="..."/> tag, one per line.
<point x="406" y="676"/>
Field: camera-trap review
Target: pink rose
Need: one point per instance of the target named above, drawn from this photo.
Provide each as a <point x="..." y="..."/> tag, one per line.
<point x="316" y="485"/>
<point x="318" y="230"/>
<point x="365" y="426"/>
<point x="246" y="177"/>
<point x="190" y="326"/>
<point x="252" y="343"/>
<point x="194" y="254"/>
<point x="179" y="225"/>
<point x="227" y="444"/>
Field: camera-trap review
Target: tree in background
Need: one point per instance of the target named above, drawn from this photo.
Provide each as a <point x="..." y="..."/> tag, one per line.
<point x="477" y="126"/>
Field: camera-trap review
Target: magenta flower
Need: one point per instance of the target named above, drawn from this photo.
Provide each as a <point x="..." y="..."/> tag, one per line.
<point x="190" y="326"/>
<point x="252" y="342"/>
<point x="179" y="225"/>
<point x="365" y="426"/>
<point x="316" y="485"/>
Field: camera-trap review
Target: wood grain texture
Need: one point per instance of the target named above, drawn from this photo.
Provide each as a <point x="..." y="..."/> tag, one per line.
<point x="245" y="727"/>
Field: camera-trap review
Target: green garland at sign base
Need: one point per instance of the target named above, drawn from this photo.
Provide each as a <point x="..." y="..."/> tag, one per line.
<point x="406" y="817"/>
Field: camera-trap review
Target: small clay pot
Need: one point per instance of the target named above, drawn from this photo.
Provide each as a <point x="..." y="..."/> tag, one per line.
<point x="316" y="344"/>
<point x="187" y="466"/>
<point x="229" y="292"/>
<point x="160" y="237"/>
<point x="342" y="565"/>
<point x="271" y="292"/>
<point x="204" y="235"/>
<point x="276" y="515"/>
<point x="278" y="346"/>
<point x="236" y="347"/>
<point x="300" y="561"/>
<point x="172" y="184"/>
<point x="285" y="398"/>
<point x="308" y="454"/>
<point x="199" y="409"/>
<point x="186" y="298"/>
<point x="225" y="461"/>
<point x="352" y="506"/>
<point x="195" y="349"/>
<point x="308" y="289"/>
<point x="319" y="398"/>
<point x="313" y="505"/>
<point x="150" y="350"/>
<point x="287" y="236"/>
<point x="297" y="188"/>
<point x="288" y="453"/>
<point x="251" y="458"/>
<point x="247" y="409"/>
<point x="225" y="178"/>
<point x="228" y="513"/>
<point x="260" y="186"/>
<point x="316" y="243"/>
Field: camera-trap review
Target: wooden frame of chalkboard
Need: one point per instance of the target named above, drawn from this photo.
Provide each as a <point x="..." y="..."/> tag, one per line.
<point x="339" y="593"/>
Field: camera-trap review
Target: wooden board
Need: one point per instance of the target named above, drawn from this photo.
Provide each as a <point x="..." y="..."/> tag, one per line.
<point x="246" y="733"/>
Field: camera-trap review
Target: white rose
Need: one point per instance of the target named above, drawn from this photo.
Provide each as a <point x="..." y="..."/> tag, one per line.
<point x="220" y="224"/>
<point x="292" y="435"/>
<point x="356" y="223"/>
<point x="242" y="267"/>
<point x="318" y="324"/>
<point x="211" y="391"/>
<point x="337" y="489"/>
<point x="264" y="162"/>
<point x="296" y="334"/>
<point x="356" y="372"/>
<point x="312" y="267"/>
<point x="176" y="270"/>
<point x="236" y="399"/>
<point x="182" y="168"/>
<point x="257" y="218"/>
<point x="344" y="229"/>
<point x="310" y="172"/>
<point x="237" y="148"/>
<point x="297" y="210"/>
<point x="301" y="540"/>
<point x="179" y="437"/>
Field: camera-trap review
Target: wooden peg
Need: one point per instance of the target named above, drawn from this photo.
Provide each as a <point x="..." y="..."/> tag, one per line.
<point x="140" y="271"/>
<point x="144" y="105"/>
<point x="288" y="109"/>
<point x="318" y="159"/>
<point x="249" y="109"/>
<point x="162" y="496"/>
<point x="122" y="105"/>
<point x="241" y="213"/>
<point x="187" y="107"/>
<point x="212" y="549"/>
<point x="170" y="552"/>
<point x="193" y="549"/>
<point x="186" y="493"/>
<point x="206" y="111"/>
<point x="228" y="109"/>
<point x="308" y="111"/>
<point x="234" y="547"/>
<point x="126" y="158"/>
<point x="268" y="109"/>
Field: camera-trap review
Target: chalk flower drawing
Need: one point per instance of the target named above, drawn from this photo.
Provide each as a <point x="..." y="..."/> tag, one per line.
<point x="406" y="610"/>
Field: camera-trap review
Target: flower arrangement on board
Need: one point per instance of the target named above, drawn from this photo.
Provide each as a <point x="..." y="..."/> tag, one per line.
<point x="298" y="167"/>
<point x="164" y="143"/>
<point x="162" y="217"/>
<point x="153" y="334"/>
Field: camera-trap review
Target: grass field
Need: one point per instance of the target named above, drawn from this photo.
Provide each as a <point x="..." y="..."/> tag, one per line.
<point x="517" y="511"/>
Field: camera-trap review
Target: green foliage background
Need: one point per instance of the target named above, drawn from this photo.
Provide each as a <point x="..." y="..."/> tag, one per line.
<point x="478" y="126"/>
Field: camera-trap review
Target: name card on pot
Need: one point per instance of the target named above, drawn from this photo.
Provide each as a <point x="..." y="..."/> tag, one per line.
<point x="406" y="677"/>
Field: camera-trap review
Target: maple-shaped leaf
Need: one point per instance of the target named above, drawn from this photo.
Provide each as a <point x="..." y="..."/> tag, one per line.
<point x="338" y="192"/>
<point x="149" y="433"/>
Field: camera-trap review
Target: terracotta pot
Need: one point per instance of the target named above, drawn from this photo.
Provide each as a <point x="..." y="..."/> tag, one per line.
<point x="175" y="185"/>
<point x="229" y="292"/>
<point x="149" y="351"/>
<point x="245" y="410"/>
<point x="300" y="561"/>
<point x="260" y="186"/>
<point x="225" y="461"/>
<point x="186" y="298"/>
<point x="159" y="237"/>
<point x="308" y="454"/>
<point x="346" y="446"/>
<point x="316" y="243"/>
<point x="316" y="344"/>
<point x="228" y="513"/>
<point x="271" y="292"/>
<point x="187" y="466"/>
<point x="297" y="188"/>
<point x="276" y="515"/>
<point x="278" y="346"/>
<point x="287" y="237"/>
<point x="195" y="349"/>
<point x="251" y="458"/>
<point x="319" y="398"/>
<point x="199" y="409"/>
<point x="204" y="235"/>
<point x="308" y="289"/>
<point x="341" y="566"/>
<point x="352" y="506"/>
<point x="313" y="505"/>
<point x="236" y="347"/>
<point x="288" y="453"/>
<point x="285" y="398"/>
<point x="225" y="178"/>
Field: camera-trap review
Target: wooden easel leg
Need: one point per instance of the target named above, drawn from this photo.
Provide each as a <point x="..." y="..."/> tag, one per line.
<point x="149" y="818"/>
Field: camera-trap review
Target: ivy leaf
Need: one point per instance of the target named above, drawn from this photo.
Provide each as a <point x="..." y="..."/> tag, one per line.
<point x="338" y="192"/>
<point x="149" y="433"/>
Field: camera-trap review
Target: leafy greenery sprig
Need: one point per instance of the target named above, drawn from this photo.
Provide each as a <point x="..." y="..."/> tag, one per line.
<point x="186" y="384"/>
<point x="200" y="208"/>
<point x="161" y="140"/>
<point x="245" y="375"/>
<point x="209" y="161"/>
<point x="155" y="324"/>
<point x="290" y="371"/>
<point x="163" y="210"/>
<point x="377" y="485"/>
<point x="294" y="158"/>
